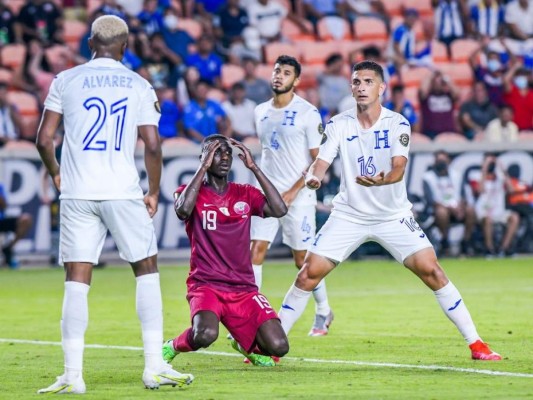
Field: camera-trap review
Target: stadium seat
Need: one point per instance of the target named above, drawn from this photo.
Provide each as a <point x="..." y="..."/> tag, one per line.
<point x="393" y="8"/>
<point x="411" y="94"/>
<point x="12" y="55"/>
<point x="317" y="52"/>
<point x="191" y="26"/>
<point x="230" y="74"/>
<point x="447" y="137"/>
<point x="439" y="52"/>
<point x="26" y="103"/>
<point x="346" y="47"/>
<point x="460" y="73"/>
<point x="274" y="50"/>
<point x="264" y="71"/>
<point x="293" y="33"/>
<point x="6" y="76"/>
<point x="371" y="30"/>
<point x="333" y="28"/>
<point x="417" y="137"/>
<point x="177" y="142"/>
<point x="308" y="77"/>
<point x="422" y="6"/>
<point x="462" y="49"/>
<point x="415" y="76"/>
<point x="74" y="30"/>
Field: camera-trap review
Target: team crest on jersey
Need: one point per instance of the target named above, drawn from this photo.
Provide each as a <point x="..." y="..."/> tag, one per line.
<point x="404" y="139"/>
<point x="320" y="128"/>
<point x="157" y="107"/>
<point x="241" y="208"/>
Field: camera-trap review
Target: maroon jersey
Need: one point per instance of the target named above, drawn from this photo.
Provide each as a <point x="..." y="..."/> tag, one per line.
<point x="219" y="232"/>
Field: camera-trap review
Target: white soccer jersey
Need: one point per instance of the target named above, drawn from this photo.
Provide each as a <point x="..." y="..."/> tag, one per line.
<point x="287" y="134"/>
<point x="367" y="152"/>
<point x="102" y="103"/>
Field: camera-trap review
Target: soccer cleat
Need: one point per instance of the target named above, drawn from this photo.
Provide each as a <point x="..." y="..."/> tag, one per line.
<point x="274" y="358"/>
<point x="168" y="351"/>
<point x="481" y="351"/>
<point x="60" y="386"/>
<point x="258" y="360"/>
<point x="321" y="325"/>
<point x="9" y="259"/>
<point x="153" y="380"/>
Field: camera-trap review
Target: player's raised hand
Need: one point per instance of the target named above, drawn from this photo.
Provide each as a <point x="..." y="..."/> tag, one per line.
<point x="311" y="181"/>
<point x="208" y="153"/>
<point x="246" y="155"/>
<point x="368" y="181"/>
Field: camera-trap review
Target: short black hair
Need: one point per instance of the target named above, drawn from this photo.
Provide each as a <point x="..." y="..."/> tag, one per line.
<point x="371" y="51"/>
<point x="289" y="60"/>
<point x="3" y="85"/>
<point x="333" y="58"/>
<point x="237" y="86"/>
<point x="215" y="136"/>
<point x="370" y="65"/>
<point x="398" y="88"/>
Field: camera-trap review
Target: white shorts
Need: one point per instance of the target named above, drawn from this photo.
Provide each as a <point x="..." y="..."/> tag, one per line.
<point x="84" y="225"/>
<point x="339" y="238"/>
<point x="497" y="215"/>
<point x="298" y="227"/>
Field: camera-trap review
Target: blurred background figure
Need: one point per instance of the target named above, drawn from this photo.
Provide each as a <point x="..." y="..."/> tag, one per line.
<point x="240" y="113"/>
<point x="401" y="105"/>
<point x="502" y="129"/>
<point x="475" y="114"/>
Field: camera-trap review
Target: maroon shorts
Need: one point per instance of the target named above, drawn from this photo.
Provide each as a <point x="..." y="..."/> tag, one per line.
<point x="242" y="313"/>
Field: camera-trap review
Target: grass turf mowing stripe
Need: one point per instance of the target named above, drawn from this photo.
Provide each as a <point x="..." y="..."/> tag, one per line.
<point x="308" y="360"/>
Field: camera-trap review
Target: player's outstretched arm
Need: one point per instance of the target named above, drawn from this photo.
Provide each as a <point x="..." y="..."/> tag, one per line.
<point x="317" y="171"/>
<point x="45" y="144"/>
<point x="153" y="160"/>
<point x="275" y="206"/>
<point x="184" y="202"/>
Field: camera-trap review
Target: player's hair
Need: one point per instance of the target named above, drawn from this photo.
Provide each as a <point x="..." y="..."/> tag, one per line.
<point x="370" y="65"/>
<point x="108" y="29"/>
<point x="288" y="60"/>
<point x="210" y="138"/>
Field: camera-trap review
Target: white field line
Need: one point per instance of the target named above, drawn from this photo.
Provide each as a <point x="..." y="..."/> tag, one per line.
<point x="298" y="359"/>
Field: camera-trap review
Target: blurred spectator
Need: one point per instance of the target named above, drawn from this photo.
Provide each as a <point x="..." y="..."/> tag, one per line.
<point x="248" y="47"/>
<point x="151" y="17"/>
<point x="442" y="190"/>
<point x="186" y="85"/>
<point x="314" y="10"/>
<point x="202" y="116"/>
<point x="486" y="18"/>
<point x="229" y="23"/>
<point x="312" y="96"/>
<point x="206" y="61"/>
<point x="19" y="226"/>
<point x="502" y="129"/>
<point x="367" y="8"/>
<point x="438" y="96"/>
<point x="401" y="105"/>
<point x="449" y="17"/>
<point x="161" y="63"/>
<point x="266" y="16"/>
<point x="333" y="85"/>
<point x="10" y="121"/>
<point x="207" y="8"/>
<point x="518" y="16"/>
<point x="131" y="58"/>
<point x="240" y="112"/>
<point x="491" y="74"/>
<point x="257" y="89"/>
<point x="520" y="199"/>
<point x="111" y="7"/>
<point x="134" y="7"/>
<point x="491" y="208"/>
<point x="475" y="114"/>
<point x="40" y="20"/>
<point x="169" y="123"/>
<point x="176" y="39"/>
<point x="8" y="20"/>
<point x="403" y="48"/>
<point x="519" y="95"/>
<point x="84" y="49"/>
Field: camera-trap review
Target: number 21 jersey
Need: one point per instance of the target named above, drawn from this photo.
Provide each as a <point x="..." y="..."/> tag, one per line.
<point x="102" y="103"/>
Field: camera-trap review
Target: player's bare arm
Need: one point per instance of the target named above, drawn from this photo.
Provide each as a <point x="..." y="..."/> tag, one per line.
<point x="394" y="175"/>
<point x="290" y="195"/>
<point x="153" y="160"/>
<point x="317" y="171"/>
<point x="184" y="202"/>
<point x="45" y="144"/>
<point x="275" y="206"/>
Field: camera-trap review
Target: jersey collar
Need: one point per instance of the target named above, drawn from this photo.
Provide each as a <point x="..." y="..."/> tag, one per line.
<point x="104" y="62"/>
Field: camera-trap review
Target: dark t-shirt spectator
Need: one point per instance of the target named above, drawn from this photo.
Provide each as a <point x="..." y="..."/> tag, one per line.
<point x="231" y="25"/>
<point x="42" y="18"/>
<point x="481" y="114"/>
<point x="211" y="6"/>
<point x="162" y="72"/>
<point x="437" y="114"/>
<point x="203" y="119"/>
<point x="178" y="41"/>
<point x="151" y="22"/>
<point x="7" y="26"/>
<point x="493" y="83"/>
<point x="257" y="90"/>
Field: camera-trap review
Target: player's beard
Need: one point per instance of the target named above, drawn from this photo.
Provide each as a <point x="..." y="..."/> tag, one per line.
<point x="282" y="90"/>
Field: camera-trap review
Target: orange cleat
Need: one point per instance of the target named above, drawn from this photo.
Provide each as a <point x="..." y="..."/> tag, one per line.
<point x="481" y="351"/>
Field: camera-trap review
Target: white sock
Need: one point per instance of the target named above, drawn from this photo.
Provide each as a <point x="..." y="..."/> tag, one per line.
<point x="454" y="307"/>
<point x="74" y="321"/>
<point x="292" y="307"/>
<point x="150" y="312"/>
<point x="258" y="274"/>
<point x="321" y="298"/>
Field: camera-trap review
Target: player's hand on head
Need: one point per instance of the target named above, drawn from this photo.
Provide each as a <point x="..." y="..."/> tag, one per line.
<point x="246" y="155"/>
<point x="151" y="202"/>
<point x="208" y="153"/>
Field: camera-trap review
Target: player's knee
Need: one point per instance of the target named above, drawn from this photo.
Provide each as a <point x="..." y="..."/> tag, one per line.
<point x="204" y="337"/>
<point x="279" y="347"/>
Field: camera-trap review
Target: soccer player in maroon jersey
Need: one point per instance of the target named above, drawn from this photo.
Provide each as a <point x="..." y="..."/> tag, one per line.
<point x="221" y="285"/>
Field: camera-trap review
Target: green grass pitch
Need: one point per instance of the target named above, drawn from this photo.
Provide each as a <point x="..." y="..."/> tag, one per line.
<point x="389" y="339"/>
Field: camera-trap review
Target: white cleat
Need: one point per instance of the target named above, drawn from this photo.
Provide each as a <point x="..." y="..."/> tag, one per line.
<point x="168" y="376"/>
<point x="321" y="324"/>
<point x="62" y="387"/>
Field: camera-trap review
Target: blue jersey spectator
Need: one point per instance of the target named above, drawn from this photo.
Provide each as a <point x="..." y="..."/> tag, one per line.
<point x="403" y="37"/>
<point x="210" y="6"/>
<point x="449" y="21"/>
<point x="206" y="61"/>
<point x="487" y="18"/>
<point x="176" y="39"/>
<point x="401" y="105"/>
<point x="150" y="17"/>
<point x="203" y="117"/>
<point x="170" y="117"/>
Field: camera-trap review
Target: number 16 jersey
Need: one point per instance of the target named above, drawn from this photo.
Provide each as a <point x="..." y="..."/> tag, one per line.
<point x="102" y="103"/>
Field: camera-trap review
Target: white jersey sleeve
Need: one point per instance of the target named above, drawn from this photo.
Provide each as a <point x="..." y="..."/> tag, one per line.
<point x="313" y="128"/>
<point x="400" y="137"/>
<point x="149" y="110"/>
<point x="53" y="100"/>
<point x="330" y="143"/>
